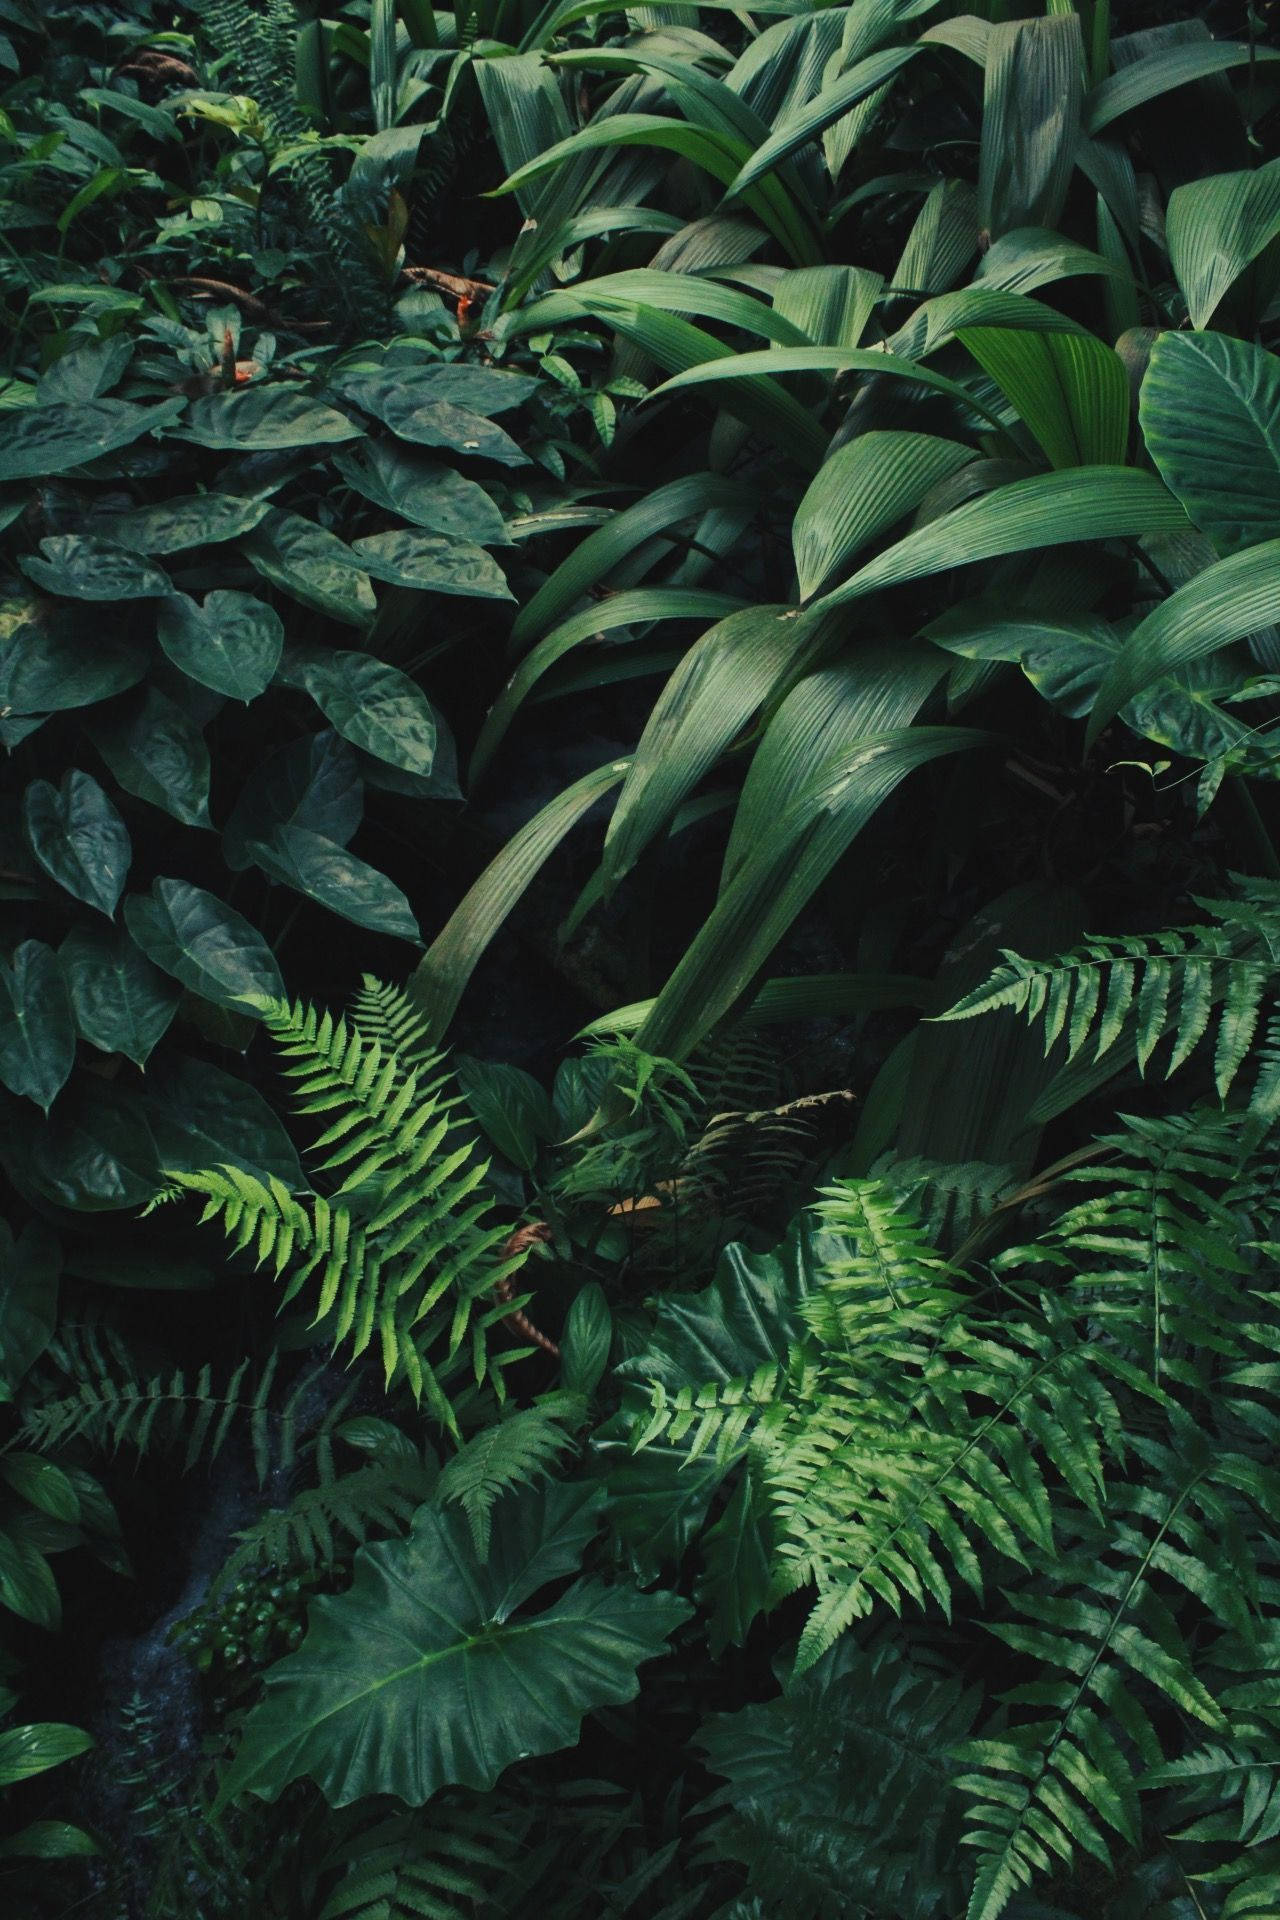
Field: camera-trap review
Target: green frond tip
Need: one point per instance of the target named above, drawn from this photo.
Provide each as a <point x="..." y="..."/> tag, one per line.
<point x="1215" y="984"/>
<point x="398" y="1247"/>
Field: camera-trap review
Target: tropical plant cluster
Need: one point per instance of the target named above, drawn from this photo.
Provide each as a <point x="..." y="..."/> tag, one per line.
<point x="640" y="979"/>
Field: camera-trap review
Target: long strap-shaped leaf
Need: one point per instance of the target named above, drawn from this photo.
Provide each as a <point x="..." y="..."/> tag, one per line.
<point x="437" y="983"/>
<point x="1048" y="510"/>
<point x="640" y="604"/>
<point x="786" y="869"/>
<point x="1070" y="390"/>
<point x="682" y="293"/>
<point x="779" y="360"/>
<point x="1160" y="73"/>
<point x="806" y="996"/>
<point x="1222" y="604"/>
<point x="821" y="112"/>
<point x="593" y="559"/>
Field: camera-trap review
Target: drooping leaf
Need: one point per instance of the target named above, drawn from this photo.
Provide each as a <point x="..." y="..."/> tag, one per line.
<point x="78" y="838"/>
<point x="37" y="1032"/>
<point x="326" y="872"/>
<point x="156" y="751"/>
<point x="439" y="980"/>
<point x="29" y="1750"/>
<point x="204" y="943"/>
<point x="313" y="782"/>
<point x="121" y="1002"/>
<point x="430" y="1637"/>
<point x="230" y="641"/>
<point x="1210" y="411"/>
<point x="373" y="705"/>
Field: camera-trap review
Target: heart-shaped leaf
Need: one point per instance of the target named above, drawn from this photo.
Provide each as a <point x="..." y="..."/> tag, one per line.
<point x="157" y="752"/>
<point x="37" y="1032"/>
<point x="121" y="1002"/>
<point x="373" y="705"/>
<point x="202" y="1117"/>
<point x="194" y="520"/>
<point x="53" y="439"/>
<point x="46" y="667"/>
<point x="425" y="1638"/>
<point x="423" y="491"/>
<point x="203" y="943"/>
<point x="313" y="566"/>
<point x="1210" y="413"/>
<point x="78" y="838"/>
<point x="80" y="567"/>
<point x="231" y="643"/>
<point x="265" y="420"/>
<point x="407" y="557"/>
<point x="337" y="879"/>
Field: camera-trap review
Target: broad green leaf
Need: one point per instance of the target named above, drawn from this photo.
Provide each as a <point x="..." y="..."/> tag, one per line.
<point x="442" y="423"/>
<point x="204" y="943"/>
<point x="29" y="1271"/>
<point x="78" y="838"/>
<point x="639" y="605"/>
<point x="121" y="1003"/>
<point x="780" y="875"/>
<point x="29" y="1750"/>
<point x="594" y="558"/>
<point x="1234" y="597"/>
<point x="230" y="641"/>
<point x="85" y="372"/>
<point x="433" y="563"/>
<point x="861" y="491"/>
<point x="45" y="666"/>
<point x="311" y="565"/>
<point x="1069" y="389"/>
<point x="394" y="394"/>
<point x="202" y="1117"/>
<point x="27" y="1588"/>
<point x="712" y="695"/>
<point x="1033" y="89"/>
<point x="193" y="520"/>
<point x="586" y="1341"/>
<point x="509" y="1106"/>
<point x="328" y="873"/>
<point x="156" y="751"/>
<point x="373" y="705"/>
<point x="313" y="782"/>
<point x="77" y="567"/>
<point x="263" y="419"/>
<point x="437" y="983"/>
<point x="1216" y="228"/>
<point x="1210" y="411"/>
<point x="422" y="491"/>
<point x="37" y="1032"/>
<point x="1161" y="72"/>
<point x="94" y="1153"/>
<point x="54" y="439"/>
<point x="429" y="1637"/>
<point x="681" y="293"/>
<point x="42" y="1484"/>
<point x="49" y="1840"/>
<point x="1047" y="510"/>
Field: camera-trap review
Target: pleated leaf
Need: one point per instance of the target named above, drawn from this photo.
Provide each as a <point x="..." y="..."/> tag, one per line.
<point x="1161" y="72"/>
<point x="1216" y="228"/>
<point x="862" y="490"/>
<point x="1030" y="121"/>
<point x="1210" y="413"/>
<point x="821" y="112"/>
<point x="1222" y="604"/>
<point x="1070" y="390"/>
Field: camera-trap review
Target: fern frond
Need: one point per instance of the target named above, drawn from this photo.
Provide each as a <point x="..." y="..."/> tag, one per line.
<point x="1174" y="986"/>
<point x="401" y="1251"/>
<point x="513" y="1452"/>
<point x="380" y="1498"/>
<point x="429" y="1869"/>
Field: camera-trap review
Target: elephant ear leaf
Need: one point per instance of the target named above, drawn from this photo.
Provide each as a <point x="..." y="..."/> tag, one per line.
<point x="420" y="1677"/>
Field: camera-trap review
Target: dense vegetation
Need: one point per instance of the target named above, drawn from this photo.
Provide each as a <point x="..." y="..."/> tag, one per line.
<point x="640" y="992"/>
